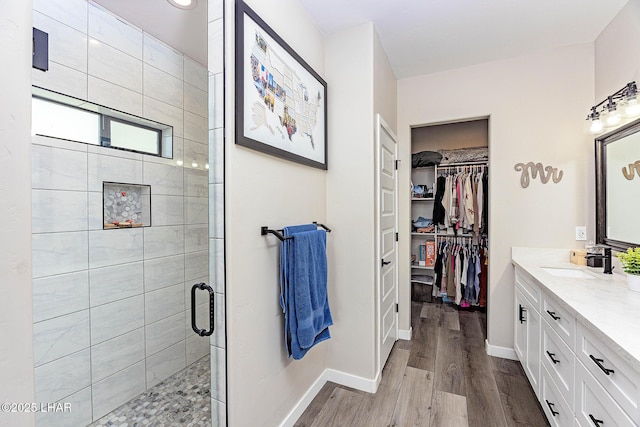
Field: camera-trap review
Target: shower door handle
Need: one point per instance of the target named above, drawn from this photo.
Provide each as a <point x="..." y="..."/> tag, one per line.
<point x="203" y="287"/>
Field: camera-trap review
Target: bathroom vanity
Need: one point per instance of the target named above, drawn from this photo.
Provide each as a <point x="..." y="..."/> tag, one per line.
<point x="577" y="335"/>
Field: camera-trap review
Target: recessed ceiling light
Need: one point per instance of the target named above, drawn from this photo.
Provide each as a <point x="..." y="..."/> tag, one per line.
<point x="183" y="4"/>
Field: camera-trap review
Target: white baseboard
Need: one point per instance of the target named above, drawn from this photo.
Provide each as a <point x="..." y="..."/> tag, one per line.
<point x="353" y="381"/>
<point x="502" y="352"/>
<point x="342" y="378"/>
<point x="302" y="404"/>
<point x="403" y="334"/>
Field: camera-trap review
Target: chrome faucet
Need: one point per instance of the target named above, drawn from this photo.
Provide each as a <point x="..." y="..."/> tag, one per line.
<point x="608" y="269"/>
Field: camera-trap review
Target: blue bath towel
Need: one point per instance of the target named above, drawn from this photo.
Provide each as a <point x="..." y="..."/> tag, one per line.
<point x="285" y="276"/>
<point x="284" y="270"/>
<point x="304" y="289"/>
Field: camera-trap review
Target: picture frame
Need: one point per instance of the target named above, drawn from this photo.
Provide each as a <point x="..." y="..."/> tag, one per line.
<point x="281" y="102"/>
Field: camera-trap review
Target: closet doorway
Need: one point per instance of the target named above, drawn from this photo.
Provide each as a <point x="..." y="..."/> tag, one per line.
<point x="449" y="215"/>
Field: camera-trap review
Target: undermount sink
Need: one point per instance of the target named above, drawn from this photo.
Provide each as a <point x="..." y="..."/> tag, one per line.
<point x="567" y="272"/>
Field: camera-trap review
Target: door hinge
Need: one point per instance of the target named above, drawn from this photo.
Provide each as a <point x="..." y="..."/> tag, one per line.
<point x="396" y="307"/>
<point x="396" y="237"/>
<point x="397" y="161"/>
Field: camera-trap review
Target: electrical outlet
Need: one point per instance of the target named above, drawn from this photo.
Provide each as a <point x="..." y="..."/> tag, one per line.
<point x="581" y="233"/>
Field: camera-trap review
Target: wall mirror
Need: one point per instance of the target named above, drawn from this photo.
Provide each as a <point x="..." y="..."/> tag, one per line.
<point x="618" y="187"/>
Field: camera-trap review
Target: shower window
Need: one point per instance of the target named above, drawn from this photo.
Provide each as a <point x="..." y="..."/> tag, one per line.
<point x="61" y="116"/>
<point x="54" y="119"/>
<point x="130" y="136"/>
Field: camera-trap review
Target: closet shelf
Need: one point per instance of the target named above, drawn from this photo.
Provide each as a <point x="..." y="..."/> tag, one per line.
<point x="424" y="234"/>
<point x="423" y="199"/>
<point x="420" y="267"/>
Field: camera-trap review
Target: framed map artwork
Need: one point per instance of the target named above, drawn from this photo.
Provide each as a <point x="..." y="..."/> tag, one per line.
<point x="281" y="102"/>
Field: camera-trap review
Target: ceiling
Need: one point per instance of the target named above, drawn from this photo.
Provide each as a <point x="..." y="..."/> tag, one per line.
<point x="427" y="36"/>
<point x="419" y="36"/>
<point x="183" y="29"/>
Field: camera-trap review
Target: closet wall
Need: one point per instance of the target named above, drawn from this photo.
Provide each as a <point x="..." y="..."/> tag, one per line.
<point x="473" y="133"/>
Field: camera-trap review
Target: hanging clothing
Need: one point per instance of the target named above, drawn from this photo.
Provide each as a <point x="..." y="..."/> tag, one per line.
<point x="485" y="202"/>
<point x="484" y="262"/>
<point x="480" y="200"/>
<point x="469" y="202"/>
<point x="463" y="201"/>
<point x="437" y="271"/>
<point x="438" y="208"/>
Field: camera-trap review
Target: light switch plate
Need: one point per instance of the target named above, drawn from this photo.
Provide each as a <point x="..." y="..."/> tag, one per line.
<point x="581" y="232"/>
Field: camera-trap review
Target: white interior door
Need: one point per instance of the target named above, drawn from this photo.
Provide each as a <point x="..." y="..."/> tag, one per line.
<point x="387" y="282"/>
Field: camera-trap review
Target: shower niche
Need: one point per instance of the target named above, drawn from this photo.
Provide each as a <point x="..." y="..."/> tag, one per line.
<point x="126" y="205"/>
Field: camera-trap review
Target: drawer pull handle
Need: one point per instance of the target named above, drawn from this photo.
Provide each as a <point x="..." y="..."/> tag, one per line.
<point x="553" y="315"/>
<point x="600" y="365"/>
<point x="551" y="405"/>
<point x="596" y="422"/>
<point x="521" y="311"/>
<point x="551" y="357"/>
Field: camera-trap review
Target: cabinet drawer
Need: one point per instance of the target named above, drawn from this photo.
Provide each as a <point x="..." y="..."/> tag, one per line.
<point x="614" y="374"/>
<point x="560" y="320"/>
<point x="559" y="361"/>
<point x="594" y="406"/>
<point x="529" y="288"/>
<point x="555" y="408"/>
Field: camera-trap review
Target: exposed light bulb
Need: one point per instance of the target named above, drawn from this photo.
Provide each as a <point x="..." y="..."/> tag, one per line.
<point x="194" y="165"/>
<point x="596" y="126"/>
<point x="179" y="162"/>
<point x="206" y="166"/>
<point x="613" y="118"/>
<point x="632" y="109"/>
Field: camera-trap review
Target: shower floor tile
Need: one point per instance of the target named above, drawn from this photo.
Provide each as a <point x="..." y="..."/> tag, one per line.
<point x="183" y="399"/>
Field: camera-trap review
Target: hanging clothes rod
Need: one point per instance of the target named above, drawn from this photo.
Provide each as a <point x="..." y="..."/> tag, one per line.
<point x="457" y="165"/>
<point x="264" y="230"/>
<point x="464" y="167"/>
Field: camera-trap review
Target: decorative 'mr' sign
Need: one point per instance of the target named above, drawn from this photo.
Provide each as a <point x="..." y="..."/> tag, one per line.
<point x="634" y="168"/>
<point x="546" y="173"/>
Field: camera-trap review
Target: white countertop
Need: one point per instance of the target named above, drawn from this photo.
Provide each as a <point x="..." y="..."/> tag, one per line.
<point x="604" y="304"/>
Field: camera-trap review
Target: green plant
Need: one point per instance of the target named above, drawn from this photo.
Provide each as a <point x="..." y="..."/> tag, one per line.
<point x="630" y="261"/>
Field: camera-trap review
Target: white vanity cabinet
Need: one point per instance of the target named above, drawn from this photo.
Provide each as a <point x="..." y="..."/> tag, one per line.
<point x="612" y="373"/>
<point x="527" y="329"/>
<point x="580" y="378"/>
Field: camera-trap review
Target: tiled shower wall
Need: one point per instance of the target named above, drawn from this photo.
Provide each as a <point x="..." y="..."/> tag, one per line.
<point x="112" y="307"/>
<point x="216" y="194"/>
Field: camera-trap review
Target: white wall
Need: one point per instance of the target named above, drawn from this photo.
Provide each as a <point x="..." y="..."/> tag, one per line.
<point x="616" y="59"/>
<point x="536" y="104"/>
<point x="263" y="385"/>
<point x="385" y="87"/>
<point x="16" y="357"/>
<point x="350" y="199"/>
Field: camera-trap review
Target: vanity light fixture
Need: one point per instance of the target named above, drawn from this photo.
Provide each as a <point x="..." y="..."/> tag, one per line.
<point x="609" y="112"/>
<point x="183" y="4"/>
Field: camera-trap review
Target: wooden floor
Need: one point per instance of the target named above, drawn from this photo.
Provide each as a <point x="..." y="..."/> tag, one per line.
<point x="442" y="378"/>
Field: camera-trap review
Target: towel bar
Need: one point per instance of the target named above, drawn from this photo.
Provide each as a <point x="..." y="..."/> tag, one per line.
<point x="264" y="230"/>
<point x="323" y="226"/>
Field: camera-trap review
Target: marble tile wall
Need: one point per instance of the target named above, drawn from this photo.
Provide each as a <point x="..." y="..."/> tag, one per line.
<point x="216" y="208"/>
<point x="112" y="307"/>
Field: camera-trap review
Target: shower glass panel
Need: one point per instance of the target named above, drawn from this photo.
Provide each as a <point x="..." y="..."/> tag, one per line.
<point x="112" y="306"/>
